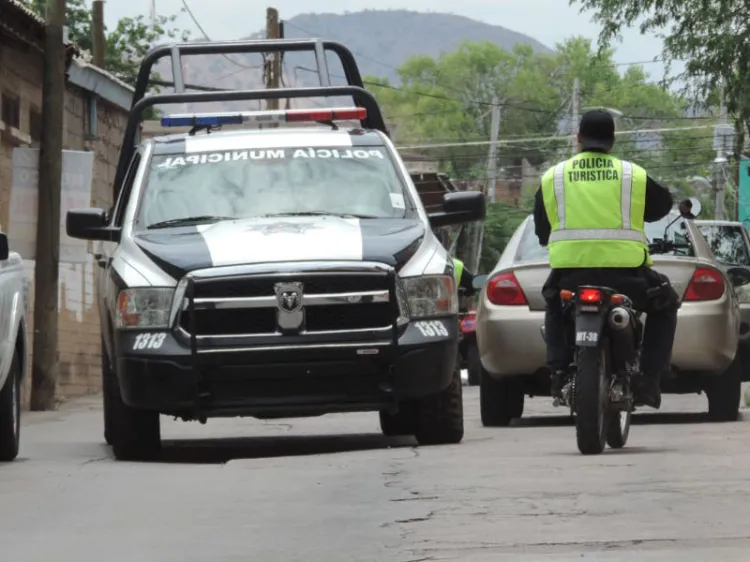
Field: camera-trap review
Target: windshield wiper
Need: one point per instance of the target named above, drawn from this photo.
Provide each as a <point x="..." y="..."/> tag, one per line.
<point x="187" y="221"/>
<point x="319" y="214"/>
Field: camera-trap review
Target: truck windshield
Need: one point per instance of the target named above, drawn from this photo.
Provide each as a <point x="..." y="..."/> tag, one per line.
<point x="727" y="243"/>
<point x="252" y="183"/>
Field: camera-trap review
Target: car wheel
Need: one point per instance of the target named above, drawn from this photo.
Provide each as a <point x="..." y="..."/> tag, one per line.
<point x="500" y="401"/>
<point x="402" y="422"/>
<point x="724" y="393"/>
<point x="474" y="364"/>
<point x="440" y="417"/>
<point x="108" y="380"/>
<point x="10" y="413"/>
<point x="135" y="434"/>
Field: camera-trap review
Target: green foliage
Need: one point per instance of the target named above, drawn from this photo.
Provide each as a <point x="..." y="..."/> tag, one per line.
<point x="710" y="37"/>
<point x="448" y="100"/>
<point x="500" y="224"/>
<point x="127" y="43"/>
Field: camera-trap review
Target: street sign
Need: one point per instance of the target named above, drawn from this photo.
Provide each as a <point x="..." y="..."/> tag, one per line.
<point x="743" y="207"/>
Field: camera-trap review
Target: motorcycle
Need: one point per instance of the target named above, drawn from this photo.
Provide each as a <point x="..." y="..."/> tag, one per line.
<point x="606" y="334"/>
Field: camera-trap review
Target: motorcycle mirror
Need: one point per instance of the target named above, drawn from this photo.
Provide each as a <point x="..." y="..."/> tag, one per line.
<point x="479" y="281"/>
<point x="690" y="207"/>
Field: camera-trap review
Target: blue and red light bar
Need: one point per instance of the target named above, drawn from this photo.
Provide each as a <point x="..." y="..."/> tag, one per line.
<point x="274" y="116"/>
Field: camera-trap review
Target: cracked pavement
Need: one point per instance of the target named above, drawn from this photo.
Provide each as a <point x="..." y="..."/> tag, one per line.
<point x="332" y="489"/>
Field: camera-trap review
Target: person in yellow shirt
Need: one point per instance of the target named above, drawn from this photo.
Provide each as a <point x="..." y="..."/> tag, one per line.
<point x="590" y="212"/>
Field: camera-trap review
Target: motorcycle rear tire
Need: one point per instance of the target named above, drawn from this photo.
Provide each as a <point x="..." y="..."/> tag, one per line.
<point x="591" y="398"/>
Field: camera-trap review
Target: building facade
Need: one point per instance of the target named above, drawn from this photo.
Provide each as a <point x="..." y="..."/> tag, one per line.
<point x="96" y="110"/>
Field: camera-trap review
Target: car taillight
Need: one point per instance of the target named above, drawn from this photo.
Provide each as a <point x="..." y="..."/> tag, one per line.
<point x="705" y="285"/>
<point x="468" y="323"/>
<point x="504" y="289"/>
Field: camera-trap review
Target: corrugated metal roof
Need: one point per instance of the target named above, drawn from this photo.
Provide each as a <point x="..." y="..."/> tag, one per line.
<point x="23" y="8"/>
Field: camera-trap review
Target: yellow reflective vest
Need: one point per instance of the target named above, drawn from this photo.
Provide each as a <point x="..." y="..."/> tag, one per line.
<point x="595" y="204"/>
<point x="458" y="267"/>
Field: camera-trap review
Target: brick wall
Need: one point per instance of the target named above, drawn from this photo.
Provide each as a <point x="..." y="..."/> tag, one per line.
<point x="21" y="74"/>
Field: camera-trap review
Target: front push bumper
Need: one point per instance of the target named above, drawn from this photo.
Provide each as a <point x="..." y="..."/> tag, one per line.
<point x="159" y="371"/>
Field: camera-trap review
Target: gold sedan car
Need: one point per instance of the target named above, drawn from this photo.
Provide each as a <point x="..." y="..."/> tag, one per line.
<point x="510" y="315"/>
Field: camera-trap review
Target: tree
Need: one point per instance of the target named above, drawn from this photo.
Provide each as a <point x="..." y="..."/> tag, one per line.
<point x="712" y="38"/>
<point x="448" y="99"/>
<point x="127" y="43"/>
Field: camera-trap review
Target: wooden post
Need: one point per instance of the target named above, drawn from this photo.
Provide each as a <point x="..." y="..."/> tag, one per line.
<point x="273" y="66"/>
<point x="98" y="40"/>
<point x="46" y="272"/>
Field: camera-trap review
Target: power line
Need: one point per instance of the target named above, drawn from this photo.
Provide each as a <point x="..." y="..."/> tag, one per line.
<point x="203" y="31"/>
<point x="556" y="137"/>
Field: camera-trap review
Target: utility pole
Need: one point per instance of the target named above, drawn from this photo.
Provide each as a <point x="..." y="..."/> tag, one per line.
<point x="575" y="117"/>
<point x="97" y="30"/>
<point x="489" y="189"/>
<point x="722" y="132"/>
<point x="46" y="272"/>
<point x="273" y="60"/>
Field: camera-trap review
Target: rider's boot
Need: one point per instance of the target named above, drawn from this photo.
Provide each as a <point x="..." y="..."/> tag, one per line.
<point x="557" y="380"/>
<point x="646" y="391"/>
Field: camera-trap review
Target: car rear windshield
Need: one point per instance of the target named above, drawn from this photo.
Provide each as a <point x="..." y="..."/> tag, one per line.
<point x="251" y="183"/>
<point x="727" y="242"/>
<point x="529" y="249"/>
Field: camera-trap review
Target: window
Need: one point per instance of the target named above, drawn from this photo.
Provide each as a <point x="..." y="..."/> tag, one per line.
<point x="359" y="181"/>
<point x="35" y="125"/>
<point x="674" y="229"/>
<point x="529" y="249"/>
<point x="727" y="242"/>
<point x="10" y="110"/>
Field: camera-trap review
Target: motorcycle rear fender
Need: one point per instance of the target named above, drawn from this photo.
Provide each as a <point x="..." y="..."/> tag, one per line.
<point x="589" y="328"/>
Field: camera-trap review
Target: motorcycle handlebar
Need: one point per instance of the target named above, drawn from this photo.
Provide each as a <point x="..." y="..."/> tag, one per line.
<point x="664" y="246"/>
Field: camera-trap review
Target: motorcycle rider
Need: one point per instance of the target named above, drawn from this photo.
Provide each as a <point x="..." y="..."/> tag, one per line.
<point x="590" y="210"/>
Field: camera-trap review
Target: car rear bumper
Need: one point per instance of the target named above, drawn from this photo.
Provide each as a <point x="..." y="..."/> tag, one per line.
<point x="286" y="380"/>
<point x="510" y="340"/>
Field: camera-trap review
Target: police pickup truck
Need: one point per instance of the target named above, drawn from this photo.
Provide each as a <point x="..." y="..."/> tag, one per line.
<point x="278" y="272"/>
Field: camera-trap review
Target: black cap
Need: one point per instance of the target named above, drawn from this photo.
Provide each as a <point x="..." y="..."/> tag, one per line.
<point x="597" y="130"/>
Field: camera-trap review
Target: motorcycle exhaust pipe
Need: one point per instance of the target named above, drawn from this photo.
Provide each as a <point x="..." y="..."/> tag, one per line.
<point x="619" y="318"/>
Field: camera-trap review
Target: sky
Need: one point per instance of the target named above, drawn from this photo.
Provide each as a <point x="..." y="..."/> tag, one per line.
<point x="549" y="21"/>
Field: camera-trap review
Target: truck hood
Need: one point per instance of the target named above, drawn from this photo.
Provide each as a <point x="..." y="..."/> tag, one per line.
<point x="249" y="241"/>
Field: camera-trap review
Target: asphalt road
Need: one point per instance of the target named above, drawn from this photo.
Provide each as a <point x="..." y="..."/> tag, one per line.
<point x="331" y="489"/>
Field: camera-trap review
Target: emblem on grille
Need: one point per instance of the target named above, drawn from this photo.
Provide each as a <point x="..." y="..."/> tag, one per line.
<point x="290" y="315"/>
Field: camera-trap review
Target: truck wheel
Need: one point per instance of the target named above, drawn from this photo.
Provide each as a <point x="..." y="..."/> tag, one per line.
<point x="724" y="393"/>
<point x="440" y="417"/>
<point x="403" y="422"/>
<point x="500" y="401"/>
<point x="474" y="364"/>
<point x="136" y="434"/>
<point x="10" y="413"/>
<point x="108" y="380"/>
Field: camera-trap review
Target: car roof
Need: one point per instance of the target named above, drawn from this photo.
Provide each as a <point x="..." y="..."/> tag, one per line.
<point x="280" y="137"/>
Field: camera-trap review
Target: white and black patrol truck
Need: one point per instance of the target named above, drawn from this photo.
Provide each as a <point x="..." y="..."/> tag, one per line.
<point x="272" y="272"/>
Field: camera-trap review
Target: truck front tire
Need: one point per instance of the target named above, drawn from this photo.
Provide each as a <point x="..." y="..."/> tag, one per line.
<point x="440" y="417"/>
<point x="135" y="434"/>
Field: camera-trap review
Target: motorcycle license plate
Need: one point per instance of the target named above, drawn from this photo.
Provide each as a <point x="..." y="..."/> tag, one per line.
<point x="587" y="337"/>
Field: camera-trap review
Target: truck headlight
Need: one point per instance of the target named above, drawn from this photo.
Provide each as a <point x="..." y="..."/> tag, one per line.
<point x="431" y="295"/>
<point x="144" y="307"/>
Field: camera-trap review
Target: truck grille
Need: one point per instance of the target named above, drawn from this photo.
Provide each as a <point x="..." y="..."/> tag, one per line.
<point x="329" y="302"/>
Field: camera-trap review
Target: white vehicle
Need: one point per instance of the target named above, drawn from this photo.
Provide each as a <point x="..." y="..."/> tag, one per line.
<point x="277" y="272"/>
<point x="12" y="349"/>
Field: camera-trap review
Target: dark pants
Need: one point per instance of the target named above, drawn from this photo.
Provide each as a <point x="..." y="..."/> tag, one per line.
<point x="650" y="292"/>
